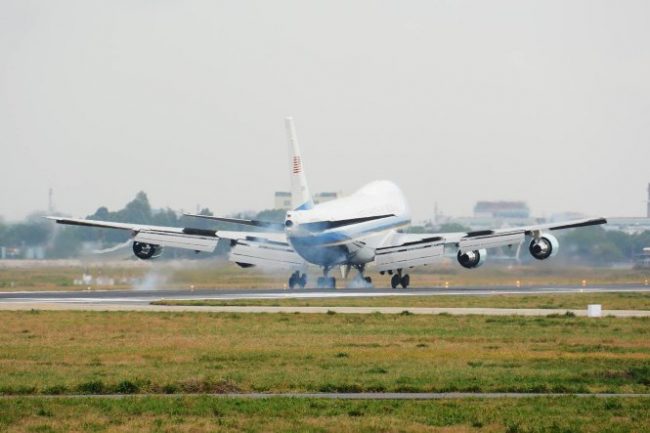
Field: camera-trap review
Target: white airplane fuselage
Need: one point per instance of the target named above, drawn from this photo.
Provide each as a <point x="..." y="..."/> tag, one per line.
<point x="361" y="221"/>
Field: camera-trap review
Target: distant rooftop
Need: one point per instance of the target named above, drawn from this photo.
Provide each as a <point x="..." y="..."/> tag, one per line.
<point x="502" y="209"/>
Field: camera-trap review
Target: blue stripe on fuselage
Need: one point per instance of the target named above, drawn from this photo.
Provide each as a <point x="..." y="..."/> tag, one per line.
<point x="341" y="235"/>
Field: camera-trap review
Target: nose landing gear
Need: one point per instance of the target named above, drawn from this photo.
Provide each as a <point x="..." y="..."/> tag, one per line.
<point x="360" y="281"/>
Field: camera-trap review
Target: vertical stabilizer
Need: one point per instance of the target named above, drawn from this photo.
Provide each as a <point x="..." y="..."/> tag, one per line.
<point x="300" y="195"/>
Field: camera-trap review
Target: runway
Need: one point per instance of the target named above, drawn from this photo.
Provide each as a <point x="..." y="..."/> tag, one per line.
<point x="147" y="296"/>
<point x="134" y="300"/>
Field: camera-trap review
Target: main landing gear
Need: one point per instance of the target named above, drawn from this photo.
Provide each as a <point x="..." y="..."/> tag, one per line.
<point x="326" y="282"/>
<point x="296" y="279"/>
<point x="399" y="279"/>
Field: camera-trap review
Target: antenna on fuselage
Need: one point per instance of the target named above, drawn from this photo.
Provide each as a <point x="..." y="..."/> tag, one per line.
<point x="300" y="196"/>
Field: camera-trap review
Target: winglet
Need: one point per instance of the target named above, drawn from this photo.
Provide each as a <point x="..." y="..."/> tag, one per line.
<point x="300" y="196"/>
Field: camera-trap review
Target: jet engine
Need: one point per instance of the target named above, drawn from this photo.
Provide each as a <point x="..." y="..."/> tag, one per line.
<point x="472" y="259"/>
<point x="544" y="247"/>
<point x="146" y="251"/>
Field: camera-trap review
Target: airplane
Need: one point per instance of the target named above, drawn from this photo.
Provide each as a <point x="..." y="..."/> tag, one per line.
<point x="351" y="232"/>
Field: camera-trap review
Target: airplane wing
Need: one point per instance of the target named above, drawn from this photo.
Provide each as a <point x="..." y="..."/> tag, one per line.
<point x="405" y="250"/>
<point x="267" y="249"/>
<point x="175" y="237"/>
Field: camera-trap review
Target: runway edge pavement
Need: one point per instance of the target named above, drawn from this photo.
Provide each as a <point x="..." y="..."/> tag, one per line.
<point x="27" y="306"/>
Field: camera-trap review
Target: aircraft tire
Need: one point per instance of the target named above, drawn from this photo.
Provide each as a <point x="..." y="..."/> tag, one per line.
<point x="406" y="280"/>
<point x="295" y="280"/>
<point x="326" y="283"/>
<point x="394" y="281"/>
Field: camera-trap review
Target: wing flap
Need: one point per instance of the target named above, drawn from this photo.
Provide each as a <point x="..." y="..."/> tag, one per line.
<point x="409" y="254"/>
<point x="490" y="241"/>
<point x="188" y="242"/>
<point x="265" y="254"/>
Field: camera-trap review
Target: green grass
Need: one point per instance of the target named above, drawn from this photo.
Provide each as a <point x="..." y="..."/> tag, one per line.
<point x="181" y="414"/>
<point x="128" y="352"/>
<point x="609" y="301"/>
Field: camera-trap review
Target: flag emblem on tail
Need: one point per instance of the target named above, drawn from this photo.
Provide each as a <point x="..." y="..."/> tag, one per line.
<point x="297" y="165"/>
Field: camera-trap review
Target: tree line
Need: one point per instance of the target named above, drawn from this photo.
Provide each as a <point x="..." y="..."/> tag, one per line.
<point x="593" y="245"/>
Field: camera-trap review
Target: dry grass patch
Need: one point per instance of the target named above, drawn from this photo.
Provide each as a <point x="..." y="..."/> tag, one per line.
<point x="129" y="352"/>
<point x="609" y="301"/>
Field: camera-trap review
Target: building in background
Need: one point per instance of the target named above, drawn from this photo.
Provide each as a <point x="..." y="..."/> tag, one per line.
<point x="322" y="197"/>
<point x="501" y="209"/>
<point x="642" y="260"/>
<point x="283" y="198"/>
<point x="494" y="214"/>
<point x="629" y="225"/>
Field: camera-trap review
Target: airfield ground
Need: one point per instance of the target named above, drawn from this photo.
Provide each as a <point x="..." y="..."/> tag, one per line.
<point x="51" y="352"/>
<point x="17" y="275"/>
<point x="608" y="300"/>
<point x="193" y="414"/>
<point x="156" y="361"/>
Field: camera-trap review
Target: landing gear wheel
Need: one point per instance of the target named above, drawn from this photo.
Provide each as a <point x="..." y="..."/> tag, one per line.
<point x="297" y="280"/>
<point x="294" y="280"/>
<point x="368" y="280"/>
<point x="406" y="280"/>
<point x="326" y="283"/>
<point x="394" y="281"/>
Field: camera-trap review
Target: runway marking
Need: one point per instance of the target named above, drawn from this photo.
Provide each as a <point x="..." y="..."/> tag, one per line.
<point x="344" y="396"/>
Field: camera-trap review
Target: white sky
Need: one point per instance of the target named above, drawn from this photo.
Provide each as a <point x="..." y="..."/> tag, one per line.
<point x="455" y="101"/>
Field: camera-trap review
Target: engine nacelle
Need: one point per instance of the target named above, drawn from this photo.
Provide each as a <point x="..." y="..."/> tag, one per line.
<point x="146" y="251"/>
<point x="544" y="247"/>
<point x="472" y="259"/>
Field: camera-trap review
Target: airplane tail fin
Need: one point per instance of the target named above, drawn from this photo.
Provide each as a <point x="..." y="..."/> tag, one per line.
<point x="300" y="196"/>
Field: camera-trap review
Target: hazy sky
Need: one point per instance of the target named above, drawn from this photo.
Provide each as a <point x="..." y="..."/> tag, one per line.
<point x="455" y="101"/>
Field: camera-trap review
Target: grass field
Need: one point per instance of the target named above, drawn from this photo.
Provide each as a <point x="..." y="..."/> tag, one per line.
<point x="609" y="301"/>
<point x="128" y="352"/>
<point x="210" y="274"/>
<point x="193" y="414"/>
